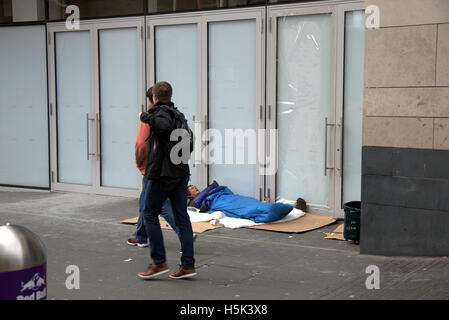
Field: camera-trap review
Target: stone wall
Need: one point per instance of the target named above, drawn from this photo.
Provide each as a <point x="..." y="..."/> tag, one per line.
<point x="405" y="158"/>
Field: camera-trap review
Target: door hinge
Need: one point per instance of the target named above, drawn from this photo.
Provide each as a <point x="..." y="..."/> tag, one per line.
<point x="51" y="109"/>
<point x="269" y="112"/>
<point x="52" y="177"/>
<point x="262" y="26"/>
<point x="141" y="33"/>
<point x="148" y="32"/>
<point x="260" y="194"/>
<point x="49" y="35"/>
<point x="269" y="26"/>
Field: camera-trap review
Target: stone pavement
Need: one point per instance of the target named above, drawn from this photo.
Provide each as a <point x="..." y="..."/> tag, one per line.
<point x="240" y="264"/>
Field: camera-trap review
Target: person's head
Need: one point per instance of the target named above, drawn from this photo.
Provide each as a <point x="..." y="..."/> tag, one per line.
<point x="162" y="91"/>
<point x="149" y="95"/>
<point x="301" y="204"/>
<point x="193" y="191"/>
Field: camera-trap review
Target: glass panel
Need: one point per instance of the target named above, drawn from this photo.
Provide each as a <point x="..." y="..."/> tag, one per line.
<point x="22" y="11"/>
<point x="303" y="102"/>
<point x="156" y="6"/>
<point x="119" y="107"/>
<point x="73" y="99"/>
<point x="95" y="9"/>
<point x="353" y="105"/>
<point x="177" y="63"/>
<point x="23" y="107"/>
<point x="232" y="99"/>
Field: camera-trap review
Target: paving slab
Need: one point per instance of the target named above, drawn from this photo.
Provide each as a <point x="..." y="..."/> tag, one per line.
<point x="232" y="264"/>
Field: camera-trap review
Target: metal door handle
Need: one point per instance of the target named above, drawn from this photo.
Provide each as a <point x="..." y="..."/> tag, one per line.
<point x="87" y="135"/>
<point x="340" y="126"/>
<point x="326" y="124"/>
<point x="206" y="126"/>
<point x="193" y="155"/>
<point x="97" y="120"/>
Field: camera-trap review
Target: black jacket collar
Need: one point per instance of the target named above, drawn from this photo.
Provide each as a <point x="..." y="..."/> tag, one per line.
<point x="163" y="103"/>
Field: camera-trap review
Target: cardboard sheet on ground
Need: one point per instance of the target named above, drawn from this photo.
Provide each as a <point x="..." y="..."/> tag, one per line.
<point x="130" y="221"/>
<point x="337" y="234"/>
<point x="297" y="221"/>
<point x="305" y="223"/>
<point x="198" y="227"/>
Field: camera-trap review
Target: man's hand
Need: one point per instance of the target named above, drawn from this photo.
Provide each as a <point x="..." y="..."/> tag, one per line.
<point x="140" y="113"/>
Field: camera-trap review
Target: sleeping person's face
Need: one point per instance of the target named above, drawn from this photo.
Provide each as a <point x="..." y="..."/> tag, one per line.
<point x="193" y="191"/>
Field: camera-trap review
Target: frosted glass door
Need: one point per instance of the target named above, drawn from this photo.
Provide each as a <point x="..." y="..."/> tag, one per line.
<point x="118" y="106"/>
<point x="303" y="101"/>
<point x="176" y="61"/>
<point x="73" y="103"/>
<point x="231" y="103"/>
<point x="353" y="105"/>
<point x="23" y="107"/>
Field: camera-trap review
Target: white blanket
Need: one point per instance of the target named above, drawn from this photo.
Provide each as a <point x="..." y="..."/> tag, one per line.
<point x="219" y="217"/>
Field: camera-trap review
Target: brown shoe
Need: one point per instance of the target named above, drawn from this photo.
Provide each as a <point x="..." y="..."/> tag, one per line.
<point x="183" y="273"/>
<point x="154" y="271"/>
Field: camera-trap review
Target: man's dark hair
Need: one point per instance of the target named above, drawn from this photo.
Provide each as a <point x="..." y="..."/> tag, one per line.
<point x="301" y="204"/>
<point x="163" y="91"/>
<point x="150" y="94"/>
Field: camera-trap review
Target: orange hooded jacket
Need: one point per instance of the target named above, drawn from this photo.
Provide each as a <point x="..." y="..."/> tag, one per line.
<point x="141" y="148"/>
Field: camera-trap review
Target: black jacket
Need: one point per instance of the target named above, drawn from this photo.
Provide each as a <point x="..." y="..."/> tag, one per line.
<point x="161" y="118"/>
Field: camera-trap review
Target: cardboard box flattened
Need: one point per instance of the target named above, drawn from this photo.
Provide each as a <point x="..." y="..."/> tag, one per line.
<point x="305" y="223"/>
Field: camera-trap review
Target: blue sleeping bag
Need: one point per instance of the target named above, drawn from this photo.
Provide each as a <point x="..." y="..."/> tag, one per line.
<point x="200" y="199"/>
<point x="233" y="205"/>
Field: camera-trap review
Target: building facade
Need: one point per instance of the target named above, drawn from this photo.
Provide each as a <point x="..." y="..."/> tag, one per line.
<point x="285" y="96"/>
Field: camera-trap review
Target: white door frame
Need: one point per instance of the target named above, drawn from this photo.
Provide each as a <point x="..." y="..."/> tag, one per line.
<point x="340" y="80"/>
<point x="337" y="9"/>
<point x="268" y="107"/>
<point x="202" y="19"/>
<point x="93" y="26"/>
<point x="163" y="20"/>
<point x="298" y="10"/>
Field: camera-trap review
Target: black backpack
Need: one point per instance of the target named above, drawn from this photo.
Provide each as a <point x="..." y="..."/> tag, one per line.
<point x="181" y="123"/>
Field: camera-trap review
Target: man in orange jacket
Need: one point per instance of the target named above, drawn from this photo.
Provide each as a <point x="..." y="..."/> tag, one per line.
<point x="141" y="149"/>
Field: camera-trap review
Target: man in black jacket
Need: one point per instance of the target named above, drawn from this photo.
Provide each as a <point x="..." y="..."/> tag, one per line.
<point x="167" y="180"/>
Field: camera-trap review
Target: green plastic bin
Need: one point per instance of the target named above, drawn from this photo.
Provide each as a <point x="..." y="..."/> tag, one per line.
<point x="352" y="221"/>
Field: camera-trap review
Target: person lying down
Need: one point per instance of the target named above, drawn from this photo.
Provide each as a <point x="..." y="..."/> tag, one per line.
<point x="221" y="198"/>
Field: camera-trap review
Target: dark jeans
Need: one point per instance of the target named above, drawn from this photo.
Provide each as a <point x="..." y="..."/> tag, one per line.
<point x="167" y="214"/>
<point x="155" y="198"/>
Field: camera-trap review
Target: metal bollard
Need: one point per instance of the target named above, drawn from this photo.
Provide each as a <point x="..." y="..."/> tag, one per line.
<point x="22" y="265"/>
